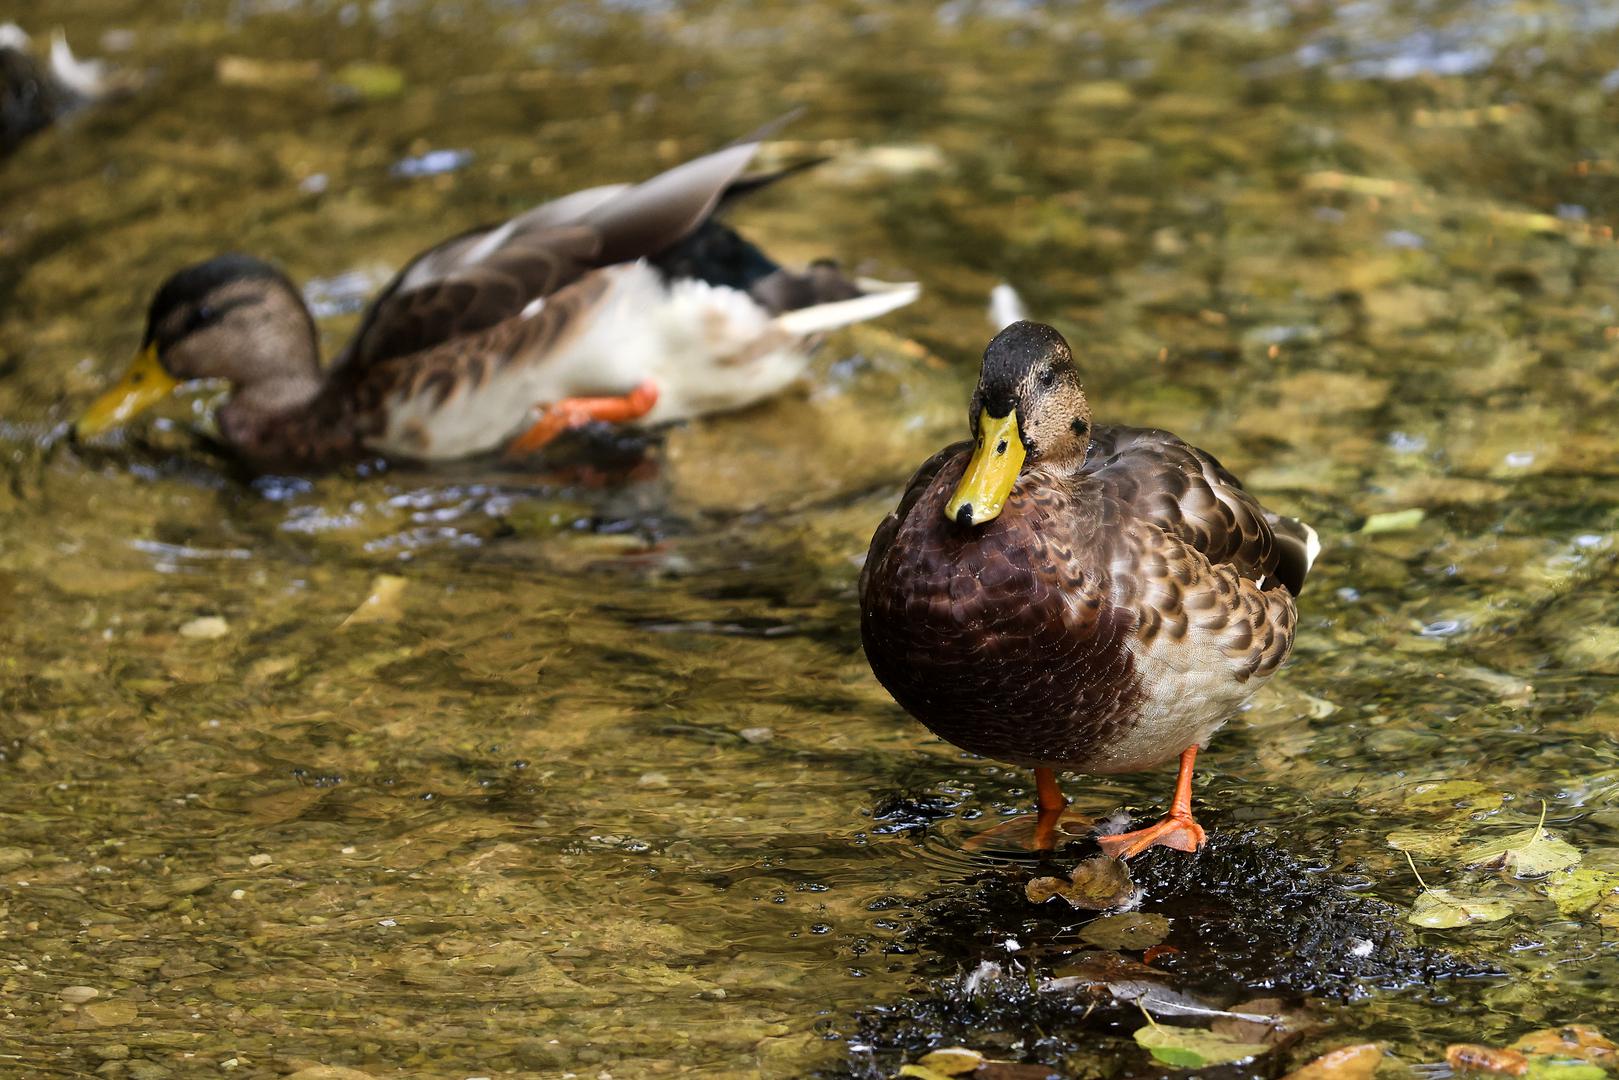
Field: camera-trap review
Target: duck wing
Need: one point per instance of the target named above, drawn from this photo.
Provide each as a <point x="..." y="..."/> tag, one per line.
<point x="471" y="282"/>
<point x="1188" y="494"/>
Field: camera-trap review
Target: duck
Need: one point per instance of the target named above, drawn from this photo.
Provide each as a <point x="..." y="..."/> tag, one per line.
<point x="1063" y="595"/>
<point x="35" y="93"/>
<point x="629" y="303"/>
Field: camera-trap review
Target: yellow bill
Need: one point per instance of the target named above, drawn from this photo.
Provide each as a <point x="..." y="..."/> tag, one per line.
<point x="143" y="385"/>
<point x="990" y="474"/>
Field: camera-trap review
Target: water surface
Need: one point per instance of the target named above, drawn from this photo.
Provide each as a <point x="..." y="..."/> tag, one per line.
<point x="600" y="799"/>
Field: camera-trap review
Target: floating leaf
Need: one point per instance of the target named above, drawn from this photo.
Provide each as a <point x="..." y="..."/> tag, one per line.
<point x="1131" y="930"/>
<point x="1429" y="843"/>
<point x="921" y="1073"/>
<point x="1441" y="909"/>
<point x="1451" y="795"/>
<point x="1578" y="891"/>
<point x="1262" y="1020"/>
<point x="1393" y="521"/>
<point x="1194" y="1048"/>
<point x="1096" y="884"/>
<point x="1531" y="853"/>
<point x="952" y="1060"/>
<point x="1357" y="1062"/>
<point x="1156" y="999"/>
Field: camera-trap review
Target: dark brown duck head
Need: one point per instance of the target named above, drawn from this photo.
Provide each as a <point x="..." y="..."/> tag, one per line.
<point x="232" y="318"/>
<point x="1028" y="410"/>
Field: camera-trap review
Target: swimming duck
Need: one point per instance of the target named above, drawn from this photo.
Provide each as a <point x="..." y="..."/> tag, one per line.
<point x="624" y="303"/>
<point x="1067" y="596"/>
<point x="36" y="93"/>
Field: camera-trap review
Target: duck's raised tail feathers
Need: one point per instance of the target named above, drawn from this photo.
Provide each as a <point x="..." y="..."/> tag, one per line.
<point x="1297" y="546"/>
<point x="874" y="298"/>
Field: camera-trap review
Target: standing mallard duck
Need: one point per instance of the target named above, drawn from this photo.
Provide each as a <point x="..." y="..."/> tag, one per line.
<point x="1065" y="596"/>
<point x="619" y="303"/>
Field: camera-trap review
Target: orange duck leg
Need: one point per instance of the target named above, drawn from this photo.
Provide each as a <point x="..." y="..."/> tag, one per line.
<point x="576" y="412"/>
<point x="1054" y="824"/>
<point x="1177" y="831"/>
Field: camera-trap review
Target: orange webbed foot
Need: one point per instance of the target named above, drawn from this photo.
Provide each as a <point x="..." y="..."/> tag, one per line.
<point x="570" y="413"/>
<point x="1176" y="831"/>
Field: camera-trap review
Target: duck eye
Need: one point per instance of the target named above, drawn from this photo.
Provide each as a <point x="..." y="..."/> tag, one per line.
<point x="1048" y="377"/>
<point x="205" y="315"/>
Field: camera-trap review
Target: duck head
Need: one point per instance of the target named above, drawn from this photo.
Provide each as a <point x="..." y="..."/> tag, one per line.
<point x="1028" y="408"/>
<point x="233" y="318"/>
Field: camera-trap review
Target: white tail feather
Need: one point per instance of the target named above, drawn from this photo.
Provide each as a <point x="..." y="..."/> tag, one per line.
<point x="1312" y="547"/>
<point x="87" y="78"/>
<point x="1005" y="307"/>
<point x="880" y="301"/>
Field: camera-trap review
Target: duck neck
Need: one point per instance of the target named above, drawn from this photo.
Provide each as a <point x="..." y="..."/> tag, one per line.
<point x="288" y="392"/>
<point x="275" y="403"/>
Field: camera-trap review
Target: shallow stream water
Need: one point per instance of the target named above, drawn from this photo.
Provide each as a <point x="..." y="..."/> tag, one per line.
<point x="607" y="788"/>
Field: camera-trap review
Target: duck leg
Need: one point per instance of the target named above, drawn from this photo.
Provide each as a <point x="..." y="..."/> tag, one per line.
<point x="1177" y="831"/>
<point x="1052" y="804"/>
<point x="1055" y="823"/>
<point x="576" y="412"/>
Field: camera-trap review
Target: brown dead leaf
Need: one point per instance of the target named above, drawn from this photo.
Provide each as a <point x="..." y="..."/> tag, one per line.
<point x="1097" y="884"/>
<point x="1470" y="1057"/>
<point x="1284" y="1026"/>
<point x="1356" y="1062"/>
<point x="1011" y="1070"/>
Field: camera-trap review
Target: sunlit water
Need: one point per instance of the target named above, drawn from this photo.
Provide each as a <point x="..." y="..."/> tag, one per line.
<point x="600" y="798"/>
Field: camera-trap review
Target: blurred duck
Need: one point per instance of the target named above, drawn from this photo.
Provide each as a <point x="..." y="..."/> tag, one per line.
<point x="1067" y="596"/>
<point x="35" y="94"/>
<point x="628" y="303"/>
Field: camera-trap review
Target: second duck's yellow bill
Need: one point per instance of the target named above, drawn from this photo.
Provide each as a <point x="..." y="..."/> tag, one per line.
<point x="991" y="473"/>
<point x="143" y="385"/>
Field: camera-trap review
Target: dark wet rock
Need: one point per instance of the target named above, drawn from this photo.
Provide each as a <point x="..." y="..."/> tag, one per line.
<point x="1247" y="919"/>
<point x="910" y="813"/>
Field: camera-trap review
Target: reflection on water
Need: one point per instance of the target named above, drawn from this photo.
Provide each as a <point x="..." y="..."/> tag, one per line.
<point x="612" y="790"/>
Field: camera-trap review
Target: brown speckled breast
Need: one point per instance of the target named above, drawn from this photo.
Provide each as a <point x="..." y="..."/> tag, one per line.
<point x="999" y="638"/>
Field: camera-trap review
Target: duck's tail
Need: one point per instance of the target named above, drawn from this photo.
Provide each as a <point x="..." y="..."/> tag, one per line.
<point x="1005" y="307"/>
<point x="1297" y="545"/>
<point x="854" y="301"/>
